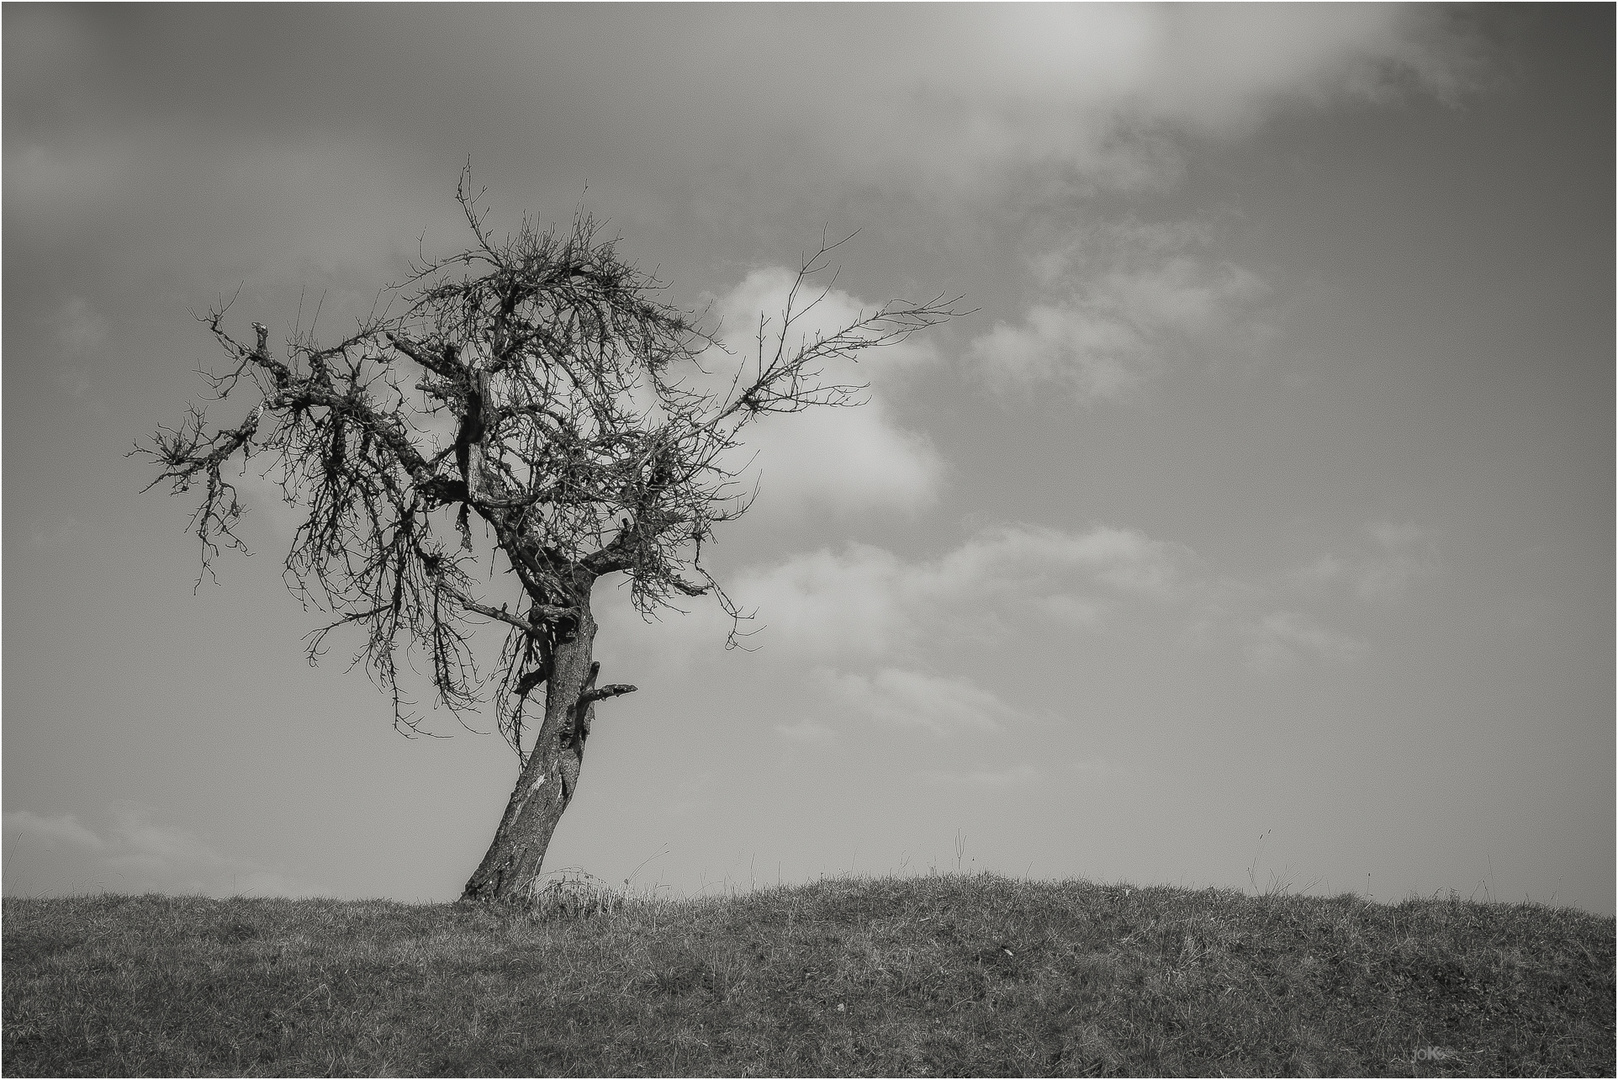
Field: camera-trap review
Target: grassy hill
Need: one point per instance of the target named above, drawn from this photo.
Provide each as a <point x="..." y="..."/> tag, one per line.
<point x="886" y="976"/>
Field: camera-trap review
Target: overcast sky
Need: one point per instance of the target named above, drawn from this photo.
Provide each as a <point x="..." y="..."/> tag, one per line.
<point x="1256" y="530"/>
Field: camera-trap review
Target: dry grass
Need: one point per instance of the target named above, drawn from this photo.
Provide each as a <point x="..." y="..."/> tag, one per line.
<point x="890" y="976"/>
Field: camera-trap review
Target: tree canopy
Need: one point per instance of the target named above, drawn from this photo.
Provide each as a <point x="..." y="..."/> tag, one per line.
<point x="536" y="384"/>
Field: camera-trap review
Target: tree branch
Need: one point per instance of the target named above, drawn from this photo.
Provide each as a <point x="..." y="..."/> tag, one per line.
<point x="561" y="378"/>
<point x="603" y="692"/>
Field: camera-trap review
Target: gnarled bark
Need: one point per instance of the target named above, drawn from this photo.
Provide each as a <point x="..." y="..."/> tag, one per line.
<point x="550" y="773"/>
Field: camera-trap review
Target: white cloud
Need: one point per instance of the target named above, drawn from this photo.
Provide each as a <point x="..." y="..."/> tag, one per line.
<point x="843" y="460"/>
<point x="1019" y="557"/>
<point x="913" y="699"/>
<point x="1093" y="355"/>
<point x="982" y="94"/>
<point x="82" y="337"/>
<point x="1124" y="302"/>
<point x="866" y="601"/>
<point x="71" y="179"/>
<point x="826" y="603"/>
<point x="819" y="308"/>
<point x="61" y="831"/>
<point x="1181" y="294"/>
<point x="141" y="841"/>
<point x="873" y="620"/>
<point x="866" y="608"/>
<point x="1392" y="557"/>
<point x="1076" y="611"/>
<point x="80" y="328"/>
<point x="1280" y="638"/>
<point x="1228" y="67"/>
<point x="839" y="459"/>
<point x="56" y="530"/>
<point x="134" y="854"/>
<point x="266" y="503"/>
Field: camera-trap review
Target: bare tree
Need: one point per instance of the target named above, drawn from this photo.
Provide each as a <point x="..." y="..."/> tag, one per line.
<point x="535" y="387"/>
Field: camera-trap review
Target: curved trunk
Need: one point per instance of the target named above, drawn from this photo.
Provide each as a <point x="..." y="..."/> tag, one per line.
<point x="548" y="779"/>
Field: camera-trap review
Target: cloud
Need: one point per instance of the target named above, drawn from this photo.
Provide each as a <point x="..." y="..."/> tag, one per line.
<point x="1280" y="638"/>
<point x="134" y="854"/>
<point x="843" y="460"/>
<point x="140" y="119"/>
<point x="57" y="182"/>
<point x="1095" y="357"/>
<point x="1392" y="557"/>
<point x="838" y="459"/>
<point x="142" y="842"/>
<point x="1075" y="611"/>
<point x="1122" y="303"/>
<point x="265" y="501"/>
<point x="817" y="309"/>
<point x="867" y="601"/>
<point x="80" y="328"/>
<point x="979" y="95"/>
<point x="81" y="339"/>
<point x="61" y="831"/>
<point x="913" y="699"/>
<point x="58" y="530"/>
<point x="865" y="608"/>
<point x="1124" y="560"/>
<point x="826" y="603"/>
<point x="870" y="617"/>
<point x="1226" y="68"/>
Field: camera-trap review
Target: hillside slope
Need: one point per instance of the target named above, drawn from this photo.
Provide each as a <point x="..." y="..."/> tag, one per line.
<point x="887" y="976"/>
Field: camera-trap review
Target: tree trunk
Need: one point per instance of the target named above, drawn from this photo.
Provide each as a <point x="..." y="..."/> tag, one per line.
<point x="548" y="779"/>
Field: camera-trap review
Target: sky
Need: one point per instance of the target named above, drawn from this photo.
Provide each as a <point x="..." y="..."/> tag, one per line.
<point x="1255" y="530"/>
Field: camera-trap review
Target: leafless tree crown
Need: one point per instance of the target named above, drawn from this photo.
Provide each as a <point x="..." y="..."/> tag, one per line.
<point x="536" y="384"/>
